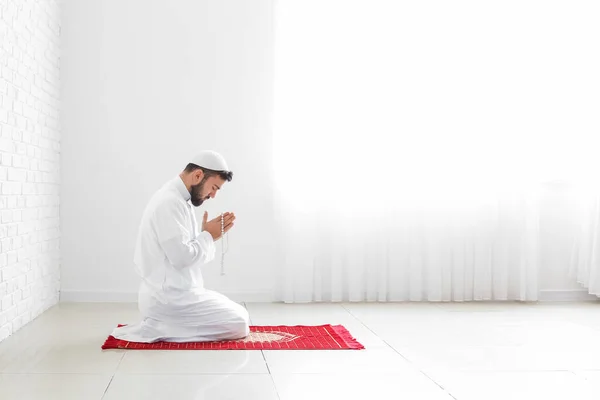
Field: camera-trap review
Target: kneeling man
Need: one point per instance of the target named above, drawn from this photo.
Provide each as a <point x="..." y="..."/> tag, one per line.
<point x="170" y="251"/>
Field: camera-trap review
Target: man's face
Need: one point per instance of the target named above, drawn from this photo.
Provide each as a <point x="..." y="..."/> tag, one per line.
<point x="207" y="188"/>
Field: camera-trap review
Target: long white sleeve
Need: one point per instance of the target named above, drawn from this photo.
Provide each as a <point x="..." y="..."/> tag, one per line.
<point x="183" y="254"/>
<point x="180" y="244"/>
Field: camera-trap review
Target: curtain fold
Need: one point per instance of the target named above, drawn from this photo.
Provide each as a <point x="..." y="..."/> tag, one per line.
<point x="585" y="259"/>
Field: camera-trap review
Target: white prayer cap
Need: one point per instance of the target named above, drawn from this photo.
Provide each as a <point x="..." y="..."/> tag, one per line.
<point x="210" y="160"/>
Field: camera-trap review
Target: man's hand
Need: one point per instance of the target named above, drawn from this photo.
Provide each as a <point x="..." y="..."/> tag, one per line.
<point x="214" y="225"/>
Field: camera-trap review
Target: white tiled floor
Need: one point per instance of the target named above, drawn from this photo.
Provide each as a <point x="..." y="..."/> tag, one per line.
<point x="414" y="351"/>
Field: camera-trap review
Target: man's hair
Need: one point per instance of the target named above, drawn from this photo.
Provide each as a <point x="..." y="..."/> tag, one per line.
<point x="225" y="175"/>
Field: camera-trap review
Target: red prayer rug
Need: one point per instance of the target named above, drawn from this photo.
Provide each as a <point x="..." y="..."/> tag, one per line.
<point x="322" y="337"/>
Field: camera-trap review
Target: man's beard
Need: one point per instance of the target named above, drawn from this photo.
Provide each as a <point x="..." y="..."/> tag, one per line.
<point x="196" y="193"/>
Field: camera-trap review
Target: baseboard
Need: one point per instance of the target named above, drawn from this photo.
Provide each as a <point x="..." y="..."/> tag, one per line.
<point x="81" y="296"/>
<point x="566" y="295"/>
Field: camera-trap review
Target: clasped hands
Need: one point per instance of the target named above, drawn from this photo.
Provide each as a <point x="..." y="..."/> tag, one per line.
<point x="214" y="225"/>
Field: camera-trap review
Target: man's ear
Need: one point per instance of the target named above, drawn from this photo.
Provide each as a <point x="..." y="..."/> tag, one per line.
<point x="198" y="175"/>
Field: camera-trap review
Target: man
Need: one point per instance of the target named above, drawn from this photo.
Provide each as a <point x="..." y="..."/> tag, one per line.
<point x="169" y="254"/>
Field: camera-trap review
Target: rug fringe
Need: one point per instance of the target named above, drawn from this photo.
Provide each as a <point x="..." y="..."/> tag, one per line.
<point x="345" y="335"/>
<point x="110" y="343"/>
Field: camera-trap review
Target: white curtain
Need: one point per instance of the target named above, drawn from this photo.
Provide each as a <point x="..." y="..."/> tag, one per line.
<point x="585" y="261"/>
<point x="410" y="139"/>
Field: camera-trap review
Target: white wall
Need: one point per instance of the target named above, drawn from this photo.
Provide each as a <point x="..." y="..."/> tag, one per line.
<point x="29" y="161"/>
<point x="145" y="85"/>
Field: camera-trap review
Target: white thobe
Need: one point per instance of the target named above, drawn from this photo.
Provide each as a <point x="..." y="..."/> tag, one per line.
<point x="169" y="253"/>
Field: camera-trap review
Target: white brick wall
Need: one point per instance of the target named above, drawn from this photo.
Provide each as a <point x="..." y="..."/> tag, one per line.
<point x="29" y="160"/>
